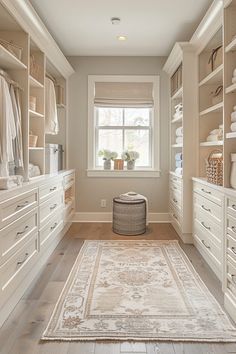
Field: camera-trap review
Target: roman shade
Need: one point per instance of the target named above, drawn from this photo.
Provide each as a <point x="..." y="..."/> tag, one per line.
<point x="123" y="94"/>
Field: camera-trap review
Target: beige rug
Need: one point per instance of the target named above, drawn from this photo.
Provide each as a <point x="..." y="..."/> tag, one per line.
<point x="136" y="290"/>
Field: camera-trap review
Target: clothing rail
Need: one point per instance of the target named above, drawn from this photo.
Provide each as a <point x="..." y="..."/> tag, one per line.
<point x="49" y="76"/>
<point x="9" y="80"/>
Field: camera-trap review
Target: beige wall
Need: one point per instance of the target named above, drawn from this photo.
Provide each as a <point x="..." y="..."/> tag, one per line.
<point x="90" y="190"/>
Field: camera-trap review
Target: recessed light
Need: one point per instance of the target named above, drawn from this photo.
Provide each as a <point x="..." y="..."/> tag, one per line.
<point x="121" y="38"/>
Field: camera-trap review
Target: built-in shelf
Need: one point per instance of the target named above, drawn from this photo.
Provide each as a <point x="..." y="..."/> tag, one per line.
<point x="37" y="148"/>
<point x="213" y="78"/>
<point x="177" y="94"/>
<point x="212" y="143"/>
<point x="175" y="174"/>
<point x="177" y="145"/>
<point x="213" y="109"/>
<point x="35" y="114"/>
<point x="177" y="120"/>
<point x="231" y="135"/>
<point x="231" y="88"/>
<point x="9" y="61"/>
<point x="231" y="46"/>
<point x="61" y="105"/>
<point x="35" y="83"/>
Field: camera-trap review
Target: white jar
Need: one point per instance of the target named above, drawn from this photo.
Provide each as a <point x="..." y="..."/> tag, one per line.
<point x="233" y="171"/>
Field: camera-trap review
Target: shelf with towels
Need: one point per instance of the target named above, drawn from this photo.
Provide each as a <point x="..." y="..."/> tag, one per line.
<point x="215" y="77"/>
<point x="176" y="146"/>
<point x="231" y="89"/>
<point x="212" y="143"/>
<point x="231" y="135"/>
<point x="231" y="47"/>
<point x="177" y="94"/>
<point x="215" y="108"/>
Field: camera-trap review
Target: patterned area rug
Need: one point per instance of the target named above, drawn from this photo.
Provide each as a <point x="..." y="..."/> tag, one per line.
<point x="136" y="290"/>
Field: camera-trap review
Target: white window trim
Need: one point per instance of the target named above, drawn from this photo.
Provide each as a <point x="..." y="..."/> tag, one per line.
<point x="96" y="172"/>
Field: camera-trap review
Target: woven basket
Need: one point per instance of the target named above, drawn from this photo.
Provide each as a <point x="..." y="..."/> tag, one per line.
<point x="12" y="48"/>
<point x="33" y="140"/>
<point x="214" y="168"/>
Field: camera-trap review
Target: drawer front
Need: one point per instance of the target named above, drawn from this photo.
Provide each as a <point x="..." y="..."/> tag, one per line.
<point x="176" y="216"/>
<point x="176" y="187"/>
<point x="209" y="193"/>
<point x="48" y="190"/>
<point x="208" y="225"/>
<point x="68" y="180"/>
<point x="231" y="226"/>
<point x="207" y="207"/>
<point x="15" y="235"/>
<point x="231" y="207"/>
<point x="176" y="199"/>
<point x="51" y="228"/>
<point x="231" y="274"/>
<point x="14" y="271"/>
<point x="49" y="207"/>
<point x="14" y="208"/>
<point x="69" y="211"/>
<point x="231" y="246"/>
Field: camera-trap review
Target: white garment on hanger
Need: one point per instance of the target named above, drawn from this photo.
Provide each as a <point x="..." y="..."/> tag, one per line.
<point x="7" y="128"/>
<point x="51" y="118"/>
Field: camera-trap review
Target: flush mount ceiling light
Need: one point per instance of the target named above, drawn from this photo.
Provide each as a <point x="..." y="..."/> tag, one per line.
<point x="115" y="20"/>
<point x="121" y="38"/>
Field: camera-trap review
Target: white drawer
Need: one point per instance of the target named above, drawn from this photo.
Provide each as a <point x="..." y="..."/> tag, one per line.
<point x="231" y="275"/>
<point x="231" y="226"/>
<point x="176" y="199"/>
<point x="231" y="246"/>
<point x="51" y="228"/>
<point x="231" y="207"/>
<point x="68" y="180"/>
<point x="13" y="236"/>
<point x="208" y="240"/>
<point x="176" y="187"/>
<point x="176" y="179"/>
<point x="207" y="207"/>
<point x="208" y="224"/>
<point x="176" y="216"/>
<point x="69" y="211"/>
<point x="49" y="207"/>
<point x="14" y="271"/>
<point x="15" y="207"/>
<point x="209" y="193"/>
<point x="47" y="190"/>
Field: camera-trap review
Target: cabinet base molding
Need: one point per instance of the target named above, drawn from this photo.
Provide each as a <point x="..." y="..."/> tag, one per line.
<point x="32" y="276"/>
<point x="185" y="237"/>
<point x="230" y="306"/>
<point x="107" y="217"/>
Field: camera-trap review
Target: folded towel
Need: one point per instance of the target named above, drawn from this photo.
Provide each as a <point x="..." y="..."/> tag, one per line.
<point x="179" y="107"/>
<point x="221" y="126"/>
<point x="234" y="80"/>
<point x="179" y="163"/>
<point x="233" y="116"/>
<point x="215" y="132"/>
<point x="179" y="131"/>
<point x="135" y="196"/>
<point x="233" y="127"/>
<point x="179" y="140"/>
<point x="34" y="171"/>
<point x="179" y="171"/>
<point x="178" y="115"/>
<point x="179" y="156"/>
<point x="212" y="137"/>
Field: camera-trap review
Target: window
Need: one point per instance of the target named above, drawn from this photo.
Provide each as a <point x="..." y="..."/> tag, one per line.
<point x="123" y="114"/>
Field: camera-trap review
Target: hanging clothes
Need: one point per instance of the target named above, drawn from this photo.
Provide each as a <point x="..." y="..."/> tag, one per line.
<point x="51" y="118"/>
<point x="17" y="142"/>
<point x="7" y="128"/>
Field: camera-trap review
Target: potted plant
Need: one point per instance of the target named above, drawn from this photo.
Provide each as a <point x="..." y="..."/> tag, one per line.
<point x="130" y="157"/>
<point x="107" y="156"/>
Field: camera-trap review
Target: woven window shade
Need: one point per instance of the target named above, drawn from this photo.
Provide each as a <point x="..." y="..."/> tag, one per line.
<point x="123" y="94"/>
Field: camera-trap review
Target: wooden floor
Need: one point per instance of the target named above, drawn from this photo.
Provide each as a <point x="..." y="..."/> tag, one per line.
<point x="22" y="331"/>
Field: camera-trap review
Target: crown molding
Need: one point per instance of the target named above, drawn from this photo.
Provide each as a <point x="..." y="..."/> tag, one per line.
<point x="176" y="56"/>
<point x="31" y="23"/>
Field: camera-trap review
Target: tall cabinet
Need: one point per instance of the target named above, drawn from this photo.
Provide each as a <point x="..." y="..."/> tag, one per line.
<point x="182" y="127"/>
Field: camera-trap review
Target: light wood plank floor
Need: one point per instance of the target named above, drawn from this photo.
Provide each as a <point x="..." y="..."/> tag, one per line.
<point x="22" y="331"/>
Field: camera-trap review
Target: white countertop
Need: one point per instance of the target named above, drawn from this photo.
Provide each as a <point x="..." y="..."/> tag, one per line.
<point x="228" y="191"/>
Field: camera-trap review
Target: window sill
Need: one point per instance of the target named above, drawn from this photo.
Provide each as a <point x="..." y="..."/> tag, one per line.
<point x="124" y="173"/>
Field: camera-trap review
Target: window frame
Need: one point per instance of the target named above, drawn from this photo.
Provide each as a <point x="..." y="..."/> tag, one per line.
<point x="96" y="171"/>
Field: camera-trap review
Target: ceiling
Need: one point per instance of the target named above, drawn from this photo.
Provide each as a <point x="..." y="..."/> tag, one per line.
<point x="83" y="27"/>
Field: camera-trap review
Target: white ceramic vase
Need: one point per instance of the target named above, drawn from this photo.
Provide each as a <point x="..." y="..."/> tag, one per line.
<point x="233" y="171"/>
<point x="107" y="164"/>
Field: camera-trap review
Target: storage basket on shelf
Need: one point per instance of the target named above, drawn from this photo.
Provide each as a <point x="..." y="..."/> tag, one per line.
<point x="33" y="140"/>
<point x="129" y="216"/>
<point x="12" y="48"/>
<point x="214" y="167"/>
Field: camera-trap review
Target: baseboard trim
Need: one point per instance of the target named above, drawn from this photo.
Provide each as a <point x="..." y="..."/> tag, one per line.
<point x="107" y="217"/>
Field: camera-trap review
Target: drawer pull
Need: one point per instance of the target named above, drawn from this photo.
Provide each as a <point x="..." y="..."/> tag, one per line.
<point x="203" y="242"/>
<point x="53" y="189"/>
<point x="53" y="206"/>
<point x="234" y="206"/>
<point x="233" y="229"/>
<point x="233" y="276"/>
<point x="204" y="208"/>
<point x="174" y="216"/>
<point x="233" y="250"/>
<point x="19" y="233"/>
<point x="175" y="201"/>
<point x="206" y="227"/>
<point x="20" y="206"/>
<point x="54" y="226"/>
<point x="21" y="262"/>
<point x="204" y="191"/>
<point x="174" y="179"/>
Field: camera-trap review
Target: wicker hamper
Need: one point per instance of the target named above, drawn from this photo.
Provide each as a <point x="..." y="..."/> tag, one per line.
<point x="214" y="167"/>
<point x="129" y="216"/>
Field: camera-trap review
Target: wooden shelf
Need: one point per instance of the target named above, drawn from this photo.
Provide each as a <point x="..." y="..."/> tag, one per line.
<point x="61" y="105"/>
<point x="231" y="135"/>
<point x="37" y="148"/>
<point x="213" y="109"/>
<point x="177" y="94"/>
<point x="35" y="83"/>
<point x="9" y="61"/>
<point x="212" y="143"/>
<point x="35" y="114"/>
<point x="231" y="46"/>
<point x="213" y="78"/>
<point x="177" y="146"/>
<point x="231" y="89"/>
<point x="177" y="120"/>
